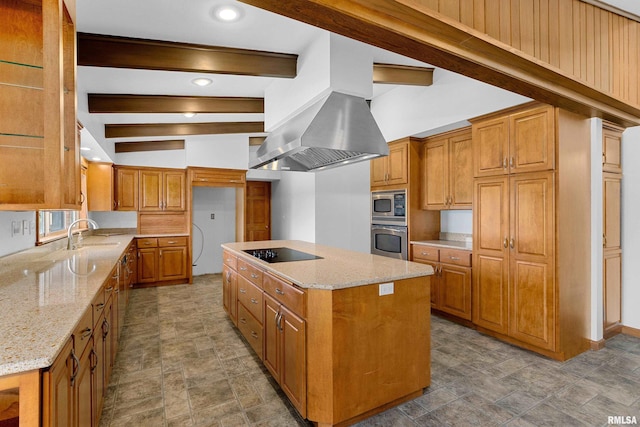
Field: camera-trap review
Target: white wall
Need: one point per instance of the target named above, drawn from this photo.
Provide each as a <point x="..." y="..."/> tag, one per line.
<point x="631" y="227"/>
<point x="23" y="240"/>
<point x="222" y="229"/>
<point x="411" y="110"/>
<point x="115" y="219"/>
<point x="455" y="221"/>
<point x="293" y="207"/>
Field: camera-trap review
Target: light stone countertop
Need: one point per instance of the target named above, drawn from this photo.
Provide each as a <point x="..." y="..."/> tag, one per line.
<point x="449" y="244"/>
<point x="338" y="269"/>
<point x="44" y="291"/>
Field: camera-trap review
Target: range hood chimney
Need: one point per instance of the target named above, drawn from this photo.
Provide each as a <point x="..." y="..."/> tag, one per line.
<point x="338" y="129"/>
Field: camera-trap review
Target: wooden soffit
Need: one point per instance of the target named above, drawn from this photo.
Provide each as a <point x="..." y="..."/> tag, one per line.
<point x="256" y="140"/>
<point x="402" y="75"/>
<point x="411" y="29"/>
<point x="135" y="146"/>
<point x="180" y="129"/>
<point x="112" y="103"/>
<point x="124" y="52"/>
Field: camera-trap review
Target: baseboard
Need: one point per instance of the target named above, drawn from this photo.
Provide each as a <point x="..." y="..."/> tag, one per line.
<point x="598" y="345"/>
<point x="627" y="330"/>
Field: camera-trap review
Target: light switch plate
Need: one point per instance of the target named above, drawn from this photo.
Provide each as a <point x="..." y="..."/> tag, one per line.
<point x="15" y="228"/>
<point x="385" y="289"/>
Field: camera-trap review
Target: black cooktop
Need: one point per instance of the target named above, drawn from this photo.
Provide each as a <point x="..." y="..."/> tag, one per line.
<point x="272" y="255"/>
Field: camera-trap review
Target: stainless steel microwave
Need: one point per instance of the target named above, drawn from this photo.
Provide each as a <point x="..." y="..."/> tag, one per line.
<point x="389" y="207"/>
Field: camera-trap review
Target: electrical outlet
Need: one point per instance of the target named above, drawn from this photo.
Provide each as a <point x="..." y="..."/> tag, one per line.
<point x="213" y="216"/>
<point x="25" y="227"/>
<point x="385" y="289"/>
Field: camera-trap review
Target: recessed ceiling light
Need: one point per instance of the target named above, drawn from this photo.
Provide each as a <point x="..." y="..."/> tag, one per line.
<point x="202" y="81"/>
<point x="227" y="13"/>
<point x="189" y="115"/>
<point x="96" y="159"/>
<point x="85" y="148"/>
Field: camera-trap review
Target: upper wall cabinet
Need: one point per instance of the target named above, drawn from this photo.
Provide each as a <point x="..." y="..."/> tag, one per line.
<point x="392" y="169"/>
<point x="162" y="190"/>
<point x="448" y="171"/>
<point x="611" y="148"/>
<point x="523" y="141"/>
<point x="39" y="160"/>
<point x="126" y="186"/>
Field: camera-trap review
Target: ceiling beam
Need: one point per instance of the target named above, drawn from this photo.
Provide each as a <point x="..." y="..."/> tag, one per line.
<point x="131" y="147"/>
<point x="402" y="75"/>
<point x="256" y="140"/>
<point x="409" y="28"/>
<point x="180" y="129"/>
<point x="112" y="103"/>
<point x="124" y="52"/>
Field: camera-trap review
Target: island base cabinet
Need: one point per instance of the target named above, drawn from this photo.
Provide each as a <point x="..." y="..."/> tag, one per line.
<point x="370" y="352"/>
<point x="20" y="399"/>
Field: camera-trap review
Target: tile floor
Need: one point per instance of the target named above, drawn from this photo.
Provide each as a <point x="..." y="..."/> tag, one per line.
<point x="182" y="363"/>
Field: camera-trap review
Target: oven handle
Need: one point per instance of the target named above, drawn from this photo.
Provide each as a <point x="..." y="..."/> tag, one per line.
<point x="387" y="228"/>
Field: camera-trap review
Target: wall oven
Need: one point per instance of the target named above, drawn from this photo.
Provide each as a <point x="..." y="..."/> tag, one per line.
<point x="389" y="207"/>
<point x="389" y="240"/>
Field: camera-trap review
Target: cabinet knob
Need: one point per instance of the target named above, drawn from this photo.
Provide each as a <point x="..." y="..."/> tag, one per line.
<point x="504" y="163"/>
<point x="512" y="243"/>
<point x="506" y="242"/>
<point x="511" y="162"/>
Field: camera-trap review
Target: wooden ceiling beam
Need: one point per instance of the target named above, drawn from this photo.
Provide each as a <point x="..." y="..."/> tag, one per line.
<point x="180" y="129"/>
<point x="113" y="103"/>
<point x="136" y="146"/>
<point x="402" y="75"/>
<point x="124" y="52"/>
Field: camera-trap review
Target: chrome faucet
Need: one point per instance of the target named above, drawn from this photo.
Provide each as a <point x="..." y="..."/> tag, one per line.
<point x="69" y="236"/>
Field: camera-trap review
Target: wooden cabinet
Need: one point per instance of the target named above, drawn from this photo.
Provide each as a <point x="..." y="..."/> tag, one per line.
<point x="162" y="259"/>
<point x="39" y="153"/>
<point x="230" y="286"/>
<point x="20" y="399"/>
<point x="514" y="257"/>
<point x="611" y="148"/>
<point x="285" y="340"/>
<point x="394" y="168"/>
<point x="448" y="171"/>
<point x="126" y="188"/>
<point x="451" y="281"/>
<point x="100" y="186"/>
<point x="57" y="389"/>
<point x="212" y="177"/>
<point x="515" y="142"/>
<point x="162" y="190"/>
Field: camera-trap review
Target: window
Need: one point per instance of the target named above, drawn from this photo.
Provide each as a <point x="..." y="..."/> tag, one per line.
<point x="53" y="224"/>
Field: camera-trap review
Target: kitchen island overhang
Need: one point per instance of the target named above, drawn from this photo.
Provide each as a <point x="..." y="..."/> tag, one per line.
<point x="363" y="341"/>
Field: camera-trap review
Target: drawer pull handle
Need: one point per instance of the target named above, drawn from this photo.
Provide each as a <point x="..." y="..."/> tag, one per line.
<point x="254" y="334"/>
<point x="279" y="292"/>
<point x="86" y="333"/>
<point x="243" y="291"/>
<point x="254" y="276"/>
<point x="243" y="268"/>
<point x="147" y="243"/>
<point x="254" y="301"/>
<point x="243" y="320"/>
<point x="171" y="242"/>
<point x="426" y="253"/>
<point x="455" y="258"/>
<point x="109" y="289"/>
<point x="100" y="306"/>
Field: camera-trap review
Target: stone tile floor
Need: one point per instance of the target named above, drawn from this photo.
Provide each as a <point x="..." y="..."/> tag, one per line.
<point x="182" y="363"/>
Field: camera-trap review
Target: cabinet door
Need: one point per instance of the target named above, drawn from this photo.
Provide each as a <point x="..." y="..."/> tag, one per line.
<point x="58" y="390"/>
<point x="151" y="190"/>
<point x="461" y="171"/>
<point x="293" y="378"/>
<point x="233" y="298"/>
<point x="172" y="263"/>
<point x="98" y="371"/>
<point x="271" y="336"/>
<point x="147" y="265"/>
<point x="83" y="391"/>
<point x="612" y="292"/>
<point x="100" y="185"/>
<point x="258" y="211"/>
<point x="436" y="170"/>
<point x="611" y="187"/>
<point x="398" y="171"/>
<point x="174" y="190"/>
<point x="532" y="140"/>
<point x="455" y="290"/>
<point x="490" y="252"/>
<point x="532" y="304"/>
<point x="226" y="280"/>
<point x="379" y="171"/>
<point x="127" y="189"/>
<point x="611" y="150"/>
<point x="490" y="147"/>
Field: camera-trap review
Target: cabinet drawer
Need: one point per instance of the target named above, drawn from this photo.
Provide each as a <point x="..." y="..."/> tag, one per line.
<point x="251" y="296"/>
<point x="165" y="242"/>
<point x="149" y="242"/>
<point x="425" y="253"/>
<point x="83" y="331"/>
<point x="251" y="272"/>
<point x="456" y="257"/>
<point x="286" y="294"/>
<point x="98" y="306"/>
<point x="251" y="329"/>
<point x="229" y="259"/>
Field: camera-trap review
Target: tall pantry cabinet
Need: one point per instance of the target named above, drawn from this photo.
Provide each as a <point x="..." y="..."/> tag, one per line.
<point x="531" y="243"/>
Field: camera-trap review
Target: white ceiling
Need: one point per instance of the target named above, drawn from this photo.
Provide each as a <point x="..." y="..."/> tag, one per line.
<point x="191" y="22"/>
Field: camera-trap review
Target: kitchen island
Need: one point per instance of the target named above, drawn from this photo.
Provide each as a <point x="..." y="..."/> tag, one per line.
<point x="345" y="334"/>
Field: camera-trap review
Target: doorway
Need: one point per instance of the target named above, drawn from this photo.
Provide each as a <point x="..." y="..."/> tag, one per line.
<point x="258" y="211"/>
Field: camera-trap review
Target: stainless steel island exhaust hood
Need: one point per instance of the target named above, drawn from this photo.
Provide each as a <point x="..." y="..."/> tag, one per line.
<point x="336" y="130"/>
